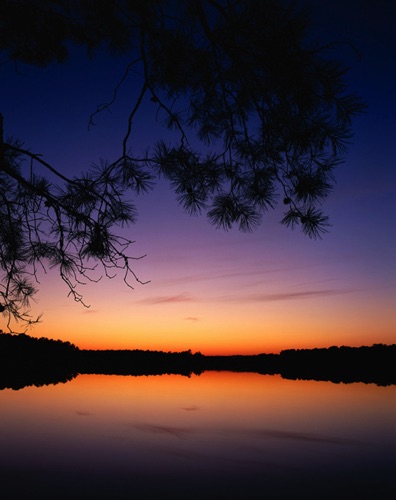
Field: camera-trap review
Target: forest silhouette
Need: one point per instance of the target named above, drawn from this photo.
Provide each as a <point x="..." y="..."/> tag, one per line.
<point x="25" y="360"/>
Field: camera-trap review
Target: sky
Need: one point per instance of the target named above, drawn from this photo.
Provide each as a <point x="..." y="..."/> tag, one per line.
<point x="223" y="292"/>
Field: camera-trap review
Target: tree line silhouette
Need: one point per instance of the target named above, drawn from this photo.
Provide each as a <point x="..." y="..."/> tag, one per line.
<point x="26" y="360"/>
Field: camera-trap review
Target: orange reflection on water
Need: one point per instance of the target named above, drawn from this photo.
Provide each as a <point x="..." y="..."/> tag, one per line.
<point x="241" y="429"/>
<point x="222" y="399"/>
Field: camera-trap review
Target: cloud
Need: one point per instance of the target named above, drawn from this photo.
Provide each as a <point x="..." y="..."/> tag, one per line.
<point x="194" y="278"/>
<point x="308" y="294"/>
<point x="192" y="318"/>
<point x="167" y="299"/>
<point x="191" y="408"/>
<point x="274" y="297"/>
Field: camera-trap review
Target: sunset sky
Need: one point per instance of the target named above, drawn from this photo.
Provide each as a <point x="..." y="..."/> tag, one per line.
<point x="227" y="292"/>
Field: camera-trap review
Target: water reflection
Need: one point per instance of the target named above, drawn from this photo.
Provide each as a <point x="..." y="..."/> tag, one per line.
<point x="217" y="435"/>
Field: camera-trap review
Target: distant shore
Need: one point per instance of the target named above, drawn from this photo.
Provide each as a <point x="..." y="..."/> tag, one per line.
<point x="26" y="360"/>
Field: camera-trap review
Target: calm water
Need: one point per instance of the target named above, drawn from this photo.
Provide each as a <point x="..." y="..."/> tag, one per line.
<point x="219" y="435"/>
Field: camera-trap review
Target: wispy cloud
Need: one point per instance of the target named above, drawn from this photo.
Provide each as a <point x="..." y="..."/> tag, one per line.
<point x="246" y="297"/>
<point x="192" y="318"/>
<point x="216" y="275"/>
<point x="272" y="297"/>
<point x="167" y="299"/>
<point x="191" y="408"/>
<point x="308" y="294"/>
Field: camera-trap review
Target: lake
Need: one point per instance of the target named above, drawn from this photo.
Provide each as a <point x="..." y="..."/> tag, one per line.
<point x="218" y="435"/>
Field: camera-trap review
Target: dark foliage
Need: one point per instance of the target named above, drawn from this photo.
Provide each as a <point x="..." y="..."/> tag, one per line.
<point x="375" y="364"/>
<point x="25" y="360"/>
<point x="137" y="362"/>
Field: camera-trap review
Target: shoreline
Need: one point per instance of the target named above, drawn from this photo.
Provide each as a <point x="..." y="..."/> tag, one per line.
<point x="26" y="360"/>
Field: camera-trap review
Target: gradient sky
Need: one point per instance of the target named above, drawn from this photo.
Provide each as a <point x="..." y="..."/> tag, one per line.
<point x="227" y="292"/>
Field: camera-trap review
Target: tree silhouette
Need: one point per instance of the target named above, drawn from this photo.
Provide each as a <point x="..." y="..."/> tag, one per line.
<point x="259" y="116"/>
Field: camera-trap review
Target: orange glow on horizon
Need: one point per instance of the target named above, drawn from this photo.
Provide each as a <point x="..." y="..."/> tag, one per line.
<point x="208" y="341"/>
<point x="217" y="306"/>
